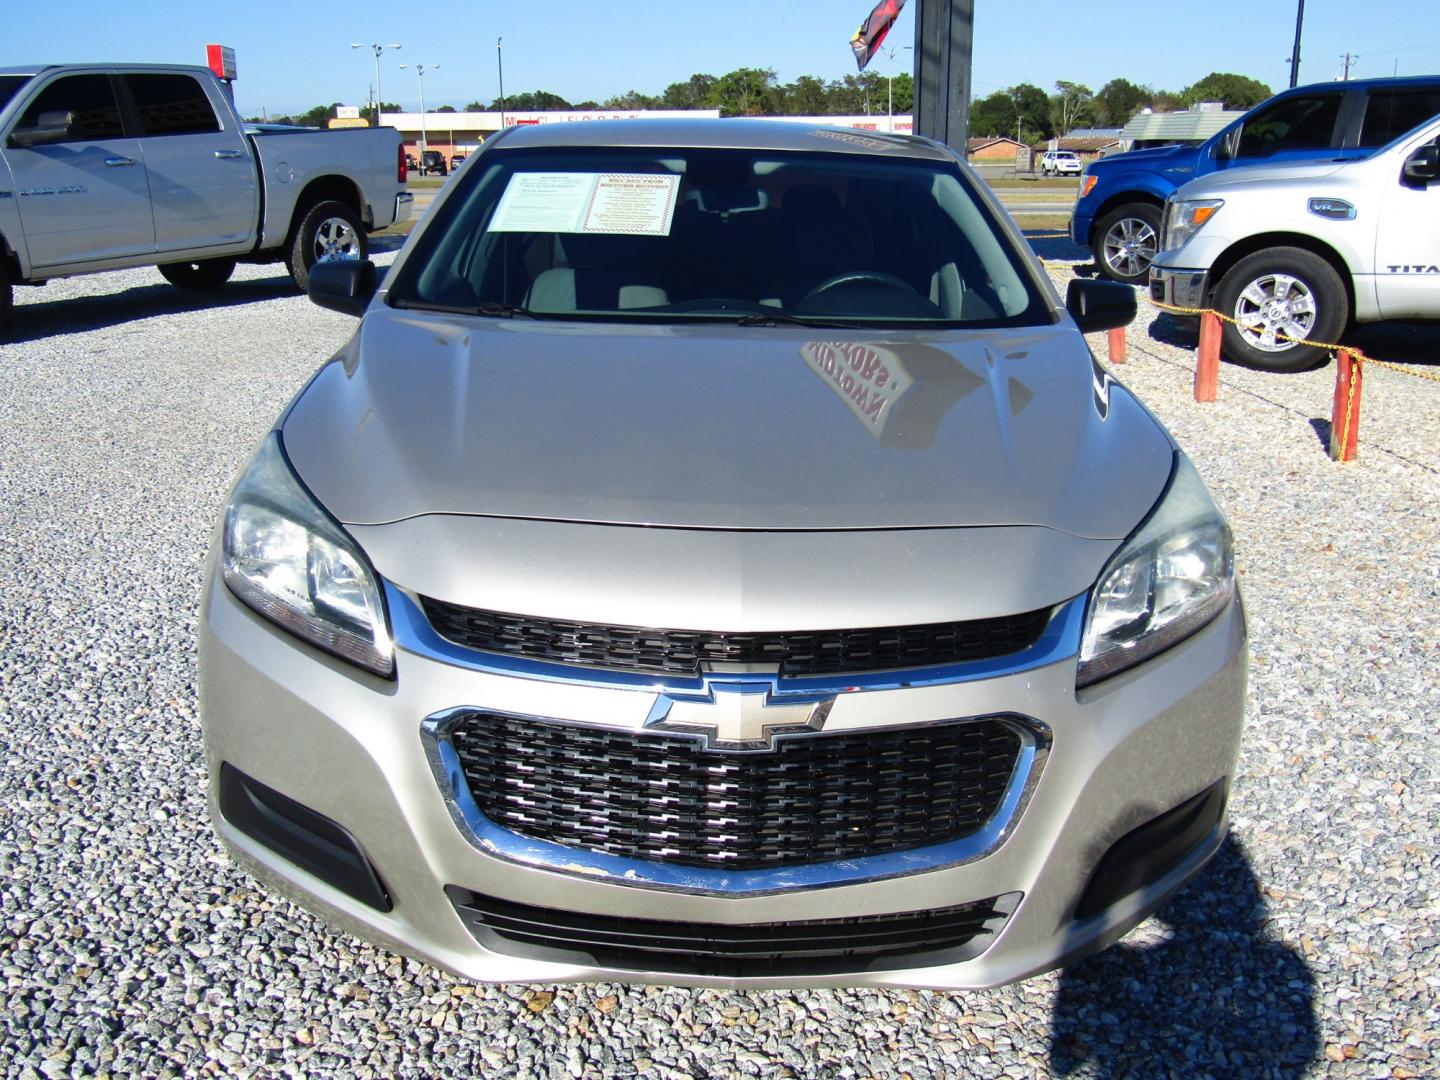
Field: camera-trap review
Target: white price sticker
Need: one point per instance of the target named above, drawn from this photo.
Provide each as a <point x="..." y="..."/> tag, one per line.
<point x="628" y="204"/>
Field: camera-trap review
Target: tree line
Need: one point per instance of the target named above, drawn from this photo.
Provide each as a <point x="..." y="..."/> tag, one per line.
<point x="1023" y="111"/>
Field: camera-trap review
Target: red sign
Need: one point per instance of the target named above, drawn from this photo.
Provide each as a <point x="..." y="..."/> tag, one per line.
<point x="221" y="60"/>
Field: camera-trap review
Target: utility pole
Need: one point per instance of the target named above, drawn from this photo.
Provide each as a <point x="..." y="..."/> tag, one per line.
<point x="377" y="49"/>
<point x="500" y="63"/>
<point x="1347" y="58"/>
<point x="1295" y="55"/>
<point x="944" y="33"/>
<point x="424" y="145"/>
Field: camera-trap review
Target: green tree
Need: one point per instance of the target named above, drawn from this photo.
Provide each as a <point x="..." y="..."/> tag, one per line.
<point x="690" y="94"/>
<point x="744" y="92"/>
<point x="1235" y="91"/>
<point x="632" y="100"/>
<point x="531" y="101"/>
<point x="1072" y="103"/>
<point x="904" y="90"/>
<point x="1033" y="109"/>
<point x="587" y="105"/>
<point x="446" y="108"/>
<point x="993" y="115"/>
<point x="1119" y="100"/>
<point x="806" y="96"/>
<point x="367" y="111"/>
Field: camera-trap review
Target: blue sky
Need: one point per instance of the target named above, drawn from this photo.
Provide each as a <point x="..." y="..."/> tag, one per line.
<point x="296" y="54"/>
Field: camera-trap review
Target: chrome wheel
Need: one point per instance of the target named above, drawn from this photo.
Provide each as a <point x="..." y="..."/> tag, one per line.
<point x="1129" y="247"/>
<point x="1274" y="311"/>
<point x="335" y="238"/>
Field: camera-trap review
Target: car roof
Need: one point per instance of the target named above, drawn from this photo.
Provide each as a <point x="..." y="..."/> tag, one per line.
<point x="1405" y="82"/>
<point x="737" y="134"/>
<point x="41" y="69"/>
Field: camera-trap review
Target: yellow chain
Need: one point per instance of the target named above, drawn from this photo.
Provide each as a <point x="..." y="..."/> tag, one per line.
<point x="1359" y="356"/>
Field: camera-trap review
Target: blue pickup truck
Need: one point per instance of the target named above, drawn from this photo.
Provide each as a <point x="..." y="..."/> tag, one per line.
<point x="1117" y="213"/>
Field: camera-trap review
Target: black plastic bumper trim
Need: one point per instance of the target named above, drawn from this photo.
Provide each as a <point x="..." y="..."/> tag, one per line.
<point x="308" y="839"/>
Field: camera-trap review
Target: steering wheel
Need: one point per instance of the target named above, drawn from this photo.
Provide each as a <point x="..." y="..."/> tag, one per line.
<point x="856" y="277"/>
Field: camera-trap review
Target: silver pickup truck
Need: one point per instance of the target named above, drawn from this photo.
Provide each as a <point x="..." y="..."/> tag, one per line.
<point x="106" y="166"/>
<point x="1298" y="251"/>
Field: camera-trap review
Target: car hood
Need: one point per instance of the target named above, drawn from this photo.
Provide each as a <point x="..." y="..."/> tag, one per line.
<point x="722" y="427"/>
<point x="1155" y="159"/>
<point x="1247" y="175"/>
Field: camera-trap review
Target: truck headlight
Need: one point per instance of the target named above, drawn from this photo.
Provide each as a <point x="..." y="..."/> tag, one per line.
<point x="1183" y="219"/>
<point x="286" y="558"/>
<point x="1172" y="577"/>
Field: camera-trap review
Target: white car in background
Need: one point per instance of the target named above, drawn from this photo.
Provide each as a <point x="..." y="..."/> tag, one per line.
<point x="1061" y="163"/>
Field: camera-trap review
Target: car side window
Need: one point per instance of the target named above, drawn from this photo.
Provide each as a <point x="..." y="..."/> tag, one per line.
<point x="1297" y="123"/>
<point x="90" y="101"/>
<point x="1391" y="113"/>
<point x="171" y="105"/>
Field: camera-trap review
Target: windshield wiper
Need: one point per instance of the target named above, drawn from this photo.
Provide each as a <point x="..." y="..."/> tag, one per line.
<point x="489" y="307"/>
<point x="776" y="318"/>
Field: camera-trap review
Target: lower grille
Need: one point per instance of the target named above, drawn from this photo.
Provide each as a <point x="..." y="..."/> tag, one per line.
<point x="749" y="950"/>
<point x="668" y="798"/>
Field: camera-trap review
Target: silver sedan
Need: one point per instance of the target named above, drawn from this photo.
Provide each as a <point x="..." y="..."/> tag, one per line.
<point x="718" y="559"/>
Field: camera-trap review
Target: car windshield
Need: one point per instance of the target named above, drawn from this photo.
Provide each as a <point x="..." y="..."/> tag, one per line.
<point x="741" y="235"/>
<point x="10" y="86"/>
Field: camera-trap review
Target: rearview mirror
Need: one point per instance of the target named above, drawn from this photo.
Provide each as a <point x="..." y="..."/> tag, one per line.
<point x="343" y="285"/>
<point x="1100" y="305"/>
<point x="1423" y="166"/>
<point x="50" y="127"/>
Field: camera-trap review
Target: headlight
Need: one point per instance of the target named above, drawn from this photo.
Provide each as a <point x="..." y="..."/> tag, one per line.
<point x="1183" y="219"/>
<point x="1087" y="183"/>
<point x="285" y="557"/>
<point x="1175" y="574"/>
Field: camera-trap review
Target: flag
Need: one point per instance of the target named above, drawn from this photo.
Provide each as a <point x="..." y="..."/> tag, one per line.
<point x="871" y="34"/>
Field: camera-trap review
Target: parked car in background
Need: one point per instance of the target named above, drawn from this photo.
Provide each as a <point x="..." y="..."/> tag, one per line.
<point x="1297" y="251"/>
<point x="412" y="163"/>
<point x="456" y="160"/>
<point x="1117" y="213"/>
<point x="104" y="166"/>
<point x="718" y="558"/>
<point x="1060" y="163"/>
<point x="432" y="163"/>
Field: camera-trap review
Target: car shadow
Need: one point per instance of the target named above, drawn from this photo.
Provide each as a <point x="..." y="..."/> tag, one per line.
<point x="1048" y="245"/>
<point x="1221" y="997"/>
<point x="81" y="314"/>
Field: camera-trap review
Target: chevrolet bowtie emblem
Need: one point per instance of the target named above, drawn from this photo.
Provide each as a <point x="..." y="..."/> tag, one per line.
<point x="739" y="715"/>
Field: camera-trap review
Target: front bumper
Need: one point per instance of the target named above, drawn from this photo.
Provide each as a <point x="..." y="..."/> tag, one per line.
<point x="1178" y="288"/>
<point x="350" y="747"/>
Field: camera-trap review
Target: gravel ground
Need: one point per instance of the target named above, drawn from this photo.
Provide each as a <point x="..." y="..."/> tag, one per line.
<point x="129" y="945"/>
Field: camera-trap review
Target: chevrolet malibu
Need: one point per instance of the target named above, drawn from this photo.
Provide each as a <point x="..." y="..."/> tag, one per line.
<point x="717" y="559"/>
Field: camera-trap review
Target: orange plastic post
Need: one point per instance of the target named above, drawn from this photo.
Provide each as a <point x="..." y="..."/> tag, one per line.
<point x="1117" y="345"/>
<point x="1345" y="414"/>
<point x="1207" y="359"/>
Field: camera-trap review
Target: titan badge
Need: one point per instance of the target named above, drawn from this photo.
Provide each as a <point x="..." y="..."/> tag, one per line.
<point x="739" y="713"/>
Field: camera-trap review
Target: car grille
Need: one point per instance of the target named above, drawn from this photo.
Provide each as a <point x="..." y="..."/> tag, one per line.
<point x="669" y="798"/>
<point x="747" y="950"/>
<point x="798" y="653"/>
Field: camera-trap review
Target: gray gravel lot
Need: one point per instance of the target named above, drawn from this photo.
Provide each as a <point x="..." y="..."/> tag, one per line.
<point x="129" y="945"/>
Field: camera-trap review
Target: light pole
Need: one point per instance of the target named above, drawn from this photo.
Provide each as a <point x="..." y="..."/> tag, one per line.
<point x="500" y="64"/>
<point x="377" y="49"/>
<point x="1295" y="56"/>
<point x="890" y="88"/>
<point x="420" y="70"/>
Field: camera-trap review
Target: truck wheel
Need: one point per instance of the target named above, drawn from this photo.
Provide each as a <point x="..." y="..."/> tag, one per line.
<point x="199" y="275"/>
<point x="328" y="230"/>
<point x="1275" y="296"/>
<point x="1126" y="241"/>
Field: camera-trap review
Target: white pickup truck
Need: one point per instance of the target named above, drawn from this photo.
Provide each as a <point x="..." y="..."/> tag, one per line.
<point x="105" y="166"/>
<point x="1302" y="250"/>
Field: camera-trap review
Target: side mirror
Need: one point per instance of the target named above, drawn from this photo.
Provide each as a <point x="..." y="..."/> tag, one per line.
<point x="343" y="285"/>
<point x="1100" y="305"/>
<point x="1228" y="145"/>
<point x="50" y="127"/>
<point x="1423" y="166"/>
